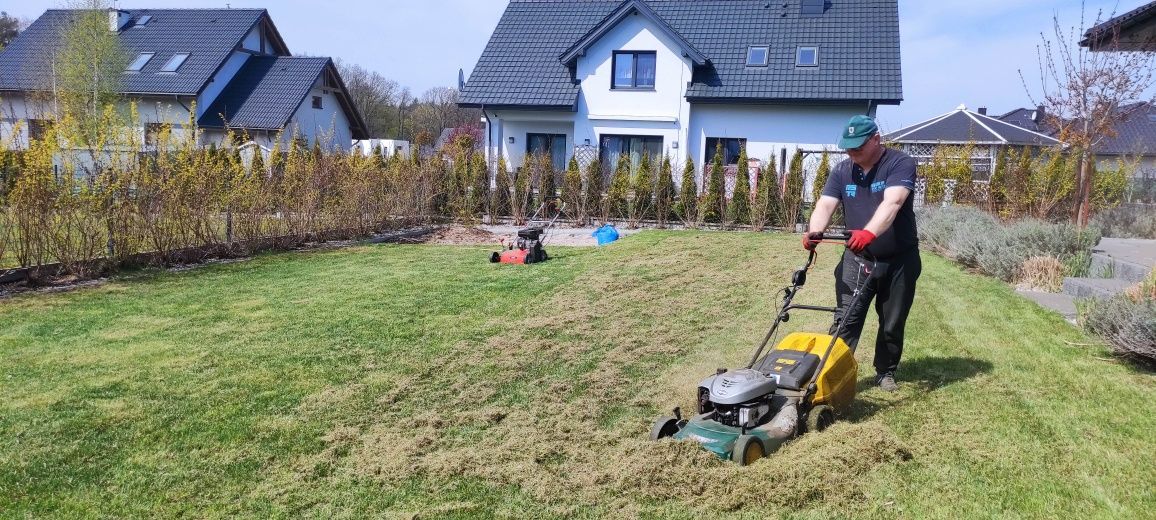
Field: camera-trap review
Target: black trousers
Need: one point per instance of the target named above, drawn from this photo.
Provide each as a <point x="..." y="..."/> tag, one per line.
<point x="892" y="285"/>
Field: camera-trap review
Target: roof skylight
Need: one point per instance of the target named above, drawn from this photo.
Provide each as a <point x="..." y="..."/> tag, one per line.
<point x="175" y="62"/>
<point x="141" y="60"/>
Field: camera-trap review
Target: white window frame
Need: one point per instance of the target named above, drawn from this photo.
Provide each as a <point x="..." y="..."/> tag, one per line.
<point x="143" y="59"/>
<point x="175" y="62"/>
<point x="799" y="55"/>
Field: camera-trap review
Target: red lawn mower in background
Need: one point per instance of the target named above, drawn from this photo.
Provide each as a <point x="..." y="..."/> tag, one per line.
<point x="526" y="247"/>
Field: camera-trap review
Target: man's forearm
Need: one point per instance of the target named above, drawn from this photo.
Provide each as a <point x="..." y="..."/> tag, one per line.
<point x="883" y="218"/>
<point x="821" y="216"/>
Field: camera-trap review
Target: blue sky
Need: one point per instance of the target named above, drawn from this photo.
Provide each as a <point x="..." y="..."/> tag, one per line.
<point x="954" y="51"/>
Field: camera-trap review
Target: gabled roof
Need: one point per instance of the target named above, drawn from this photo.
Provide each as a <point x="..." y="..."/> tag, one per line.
<point x="525" y="64"/>
<point x="627" y="8"/>
<point x="207" y="35"/>
<point x="1131" y="31"/>
<point x="268" y="90"/>
<point x="964" y="126"/>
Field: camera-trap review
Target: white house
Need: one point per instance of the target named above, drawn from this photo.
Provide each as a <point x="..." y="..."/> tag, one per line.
<point x="676" y="77"/>
<point x="231" y="64"/>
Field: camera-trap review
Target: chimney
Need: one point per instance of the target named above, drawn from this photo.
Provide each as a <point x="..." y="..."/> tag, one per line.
<point x="1038" y="114"/>
<point x="983" y="111"/>
<point x="117" y="19"/>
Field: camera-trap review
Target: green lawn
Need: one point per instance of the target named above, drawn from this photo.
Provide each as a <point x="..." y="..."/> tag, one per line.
<point x="399" y="380"/>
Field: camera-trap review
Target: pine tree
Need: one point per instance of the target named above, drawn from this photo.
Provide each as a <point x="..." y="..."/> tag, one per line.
<point x="521" y="196"/>
<point x="619" y="188"/>
<point x="713" y="207"/>
<point x="793" y="195"/>
<point x="500" y="200"/>
<point x="664" y="193"/>
<point x="821" y="177"/>
<point x="572" y="194"/>
<point x="687" y="206"/>
<point x="643" y="191"/>
<point x="546" y="185"/>
<point x="480" y="182"/>
<point x="595" y="205"/>
<point x="739" y="211"/>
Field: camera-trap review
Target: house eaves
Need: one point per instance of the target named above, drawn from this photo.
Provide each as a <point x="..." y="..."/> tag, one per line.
<point x="629" y="7"/>
<point x="1134" y="30"/>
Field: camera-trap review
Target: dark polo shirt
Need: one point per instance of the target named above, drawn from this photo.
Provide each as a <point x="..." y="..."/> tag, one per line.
<point x="862" y="192"/>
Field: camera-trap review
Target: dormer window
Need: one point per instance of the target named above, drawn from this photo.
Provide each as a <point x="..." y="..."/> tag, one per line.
<point x="141" y="60"/>
<point x="807" y="57"/>
<point x="757" y="56"/>
<point x="175" y="62"/>
<point x="634" y="70"/>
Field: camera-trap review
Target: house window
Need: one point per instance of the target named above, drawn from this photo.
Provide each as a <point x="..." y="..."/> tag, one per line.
<point x="141" y="60"/>
<point x="757" y="56"/>
<point x="175" y="62"/>
<point x="611" y="147"/>
<point x="634" y="70"/>
<point x="552" y="144"/>
<point x="38" y="129"/>
<point x="731" y="147"/>
<point x="317" y="102"/>
<point x="807" y="57"/>
<point x="143" y="20"/>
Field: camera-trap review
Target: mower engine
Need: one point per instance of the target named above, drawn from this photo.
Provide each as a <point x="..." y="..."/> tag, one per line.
<point x="525" y="249"/>
<point x="737" y="398"/>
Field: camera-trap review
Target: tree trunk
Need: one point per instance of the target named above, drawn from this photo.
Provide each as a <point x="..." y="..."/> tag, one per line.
<point x="1084" y="201"/>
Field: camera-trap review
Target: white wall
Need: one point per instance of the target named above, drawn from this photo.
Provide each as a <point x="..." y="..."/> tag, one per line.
<point x="662" y="112"/>
<point x="220" y="81"/>
<point x="329" y="124"/>
<point x="252" y="40"/>
<point x="16" y="107"/>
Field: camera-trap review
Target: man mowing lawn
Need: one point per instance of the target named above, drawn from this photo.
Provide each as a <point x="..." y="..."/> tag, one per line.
<point x="873" y="185"/>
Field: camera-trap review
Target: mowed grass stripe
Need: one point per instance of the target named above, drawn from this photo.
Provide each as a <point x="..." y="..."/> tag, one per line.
<point x="392" y="379"/>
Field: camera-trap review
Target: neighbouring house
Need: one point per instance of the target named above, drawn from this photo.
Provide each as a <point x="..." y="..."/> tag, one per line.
<point x="601" y="78"/>
<point x="1132" y="145"/>
<point x="231" y="64"/>
<point x="1134" y="30"/>
<point x="962" y="127"/>
<point x="387" y="147"/>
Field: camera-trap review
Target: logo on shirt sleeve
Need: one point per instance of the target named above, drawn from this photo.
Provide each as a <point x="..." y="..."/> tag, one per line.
<point x="850" y="190"/>
<point x="878" y="186"/>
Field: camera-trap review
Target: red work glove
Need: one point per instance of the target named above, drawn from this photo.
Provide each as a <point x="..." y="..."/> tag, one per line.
<point x="810" y="240"/>
<point x="860" y="239"/>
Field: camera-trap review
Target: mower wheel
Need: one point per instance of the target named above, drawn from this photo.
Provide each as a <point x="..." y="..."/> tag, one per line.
<point x="665" y="426"/>
<point x="748" y="449"/>
<point x="819" y="418"/>
<point x="495" y="258"/>
<point x="529" y="259"/>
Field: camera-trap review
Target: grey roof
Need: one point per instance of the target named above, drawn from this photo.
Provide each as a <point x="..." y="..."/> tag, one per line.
<point x="267" y="91"/>
<point x="1133" y="30"/>
<point x="859" y="58"/>
<point x="1135" y="135"/>
<point x="1028" y="119"/>
<point x="964" y="126"/>
<point x="208" y="35"/>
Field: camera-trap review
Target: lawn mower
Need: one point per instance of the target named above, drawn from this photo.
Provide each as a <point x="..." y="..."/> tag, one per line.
<point x="526" y="246"/>
<point x="745" y="414"/>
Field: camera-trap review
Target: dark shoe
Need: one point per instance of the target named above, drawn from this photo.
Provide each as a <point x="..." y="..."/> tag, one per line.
<point x="887" y="382"/>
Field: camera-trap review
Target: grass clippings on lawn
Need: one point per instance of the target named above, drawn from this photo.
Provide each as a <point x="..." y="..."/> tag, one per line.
<point x="423" y="381"/>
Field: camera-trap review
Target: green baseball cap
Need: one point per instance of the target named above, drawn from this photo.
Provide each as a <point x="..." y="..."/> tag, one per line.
<point x="857" y="131"/>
